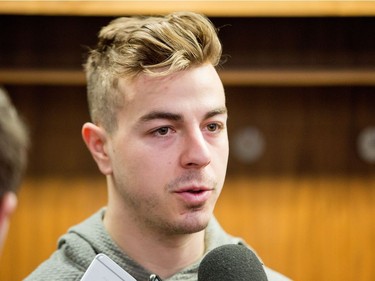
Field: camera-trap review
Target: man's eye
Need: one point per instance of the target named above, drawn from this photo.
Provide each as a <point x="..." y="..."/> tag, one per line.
<point x="213" y="127"/>
<point x="162" y="131"/>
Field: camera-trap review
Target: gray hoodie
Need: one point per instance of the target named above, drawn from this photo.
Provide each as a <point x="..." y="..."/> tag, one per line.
<point x="78" y="247"/>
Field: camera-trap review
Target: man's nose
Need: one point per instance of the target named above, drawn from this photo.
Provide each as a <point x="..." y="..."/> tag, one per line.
<point x="195" y="152"/>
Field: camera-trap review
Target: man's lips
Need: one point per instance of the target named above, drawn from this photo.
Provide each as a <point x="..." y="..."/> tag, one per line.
<point x="194" y="195"/>
<point x="193" y="189"/>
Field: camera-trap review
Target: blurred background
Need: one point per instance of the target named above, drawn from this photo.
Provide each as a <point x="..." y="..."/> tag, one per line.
<point x="300" y="81"/>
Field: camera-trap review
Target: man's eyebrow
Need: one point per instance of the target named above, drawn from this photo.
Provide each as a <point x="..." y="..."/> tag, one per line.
<point x="161" y="115"/>
<point x="178" y="117"/>
<point x="217" y="111"/>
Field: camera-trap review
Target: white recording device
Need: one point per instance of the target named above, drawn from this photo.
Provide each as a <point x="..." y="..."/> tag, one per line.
<point x="102" y="268"/>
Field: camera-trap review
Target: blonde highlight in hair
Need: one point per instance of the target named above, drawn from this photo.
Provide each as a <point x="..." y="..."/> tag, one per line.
<point x="157" y="46"/>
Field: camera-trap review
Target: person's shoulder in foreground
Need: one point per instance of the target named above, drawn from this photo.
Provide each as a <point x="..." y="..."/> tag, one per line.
<point x="14" y="144"/>
<point x="159" y="136"/>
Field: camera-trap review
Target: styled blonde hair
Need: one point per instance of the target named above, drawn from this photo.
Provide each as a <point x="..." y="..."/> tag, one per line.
<point x="157" y="46"/>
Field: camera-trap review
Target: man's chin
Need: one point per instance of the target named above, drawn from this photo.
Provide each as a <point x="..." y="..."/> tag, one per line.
<point x="194" y="224"/>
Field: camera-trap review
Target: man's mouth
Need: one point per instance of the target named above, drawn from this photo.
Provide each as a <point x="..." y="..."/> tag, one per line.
<point x="194" y="195"/>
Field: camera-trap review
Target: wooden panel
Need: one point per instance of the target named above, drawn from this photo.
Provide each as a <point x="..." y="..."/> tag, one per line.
<point x="243" y="77"/>
<point x="310" y="228"/>
<point x="55" y="116"/>
<point x="47" y="208"/>
<point x="304" y="130"/>
<point x="259" y="51"/>
<point x="214" y="8"/>
<point x="271" y="45"/>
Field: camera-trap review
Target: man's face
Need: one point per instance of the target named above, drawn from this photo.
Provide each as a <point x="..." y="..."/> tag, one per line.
<point x="169" y="154"/>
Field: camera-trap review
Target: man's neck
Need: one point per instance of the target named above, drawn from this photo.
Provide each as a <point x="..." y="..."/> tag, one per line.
<point x="161" y="254"/>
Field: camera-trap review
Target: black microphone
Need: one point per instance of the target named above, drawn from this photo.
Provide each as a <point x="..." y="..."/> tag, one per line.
<point x="231" y="262"/>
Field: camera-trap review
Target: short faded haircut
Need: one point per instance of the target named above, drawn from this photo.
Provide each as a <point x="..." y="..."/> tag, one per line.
<point x="14" y="144"/>
<point x="157" y="46"/>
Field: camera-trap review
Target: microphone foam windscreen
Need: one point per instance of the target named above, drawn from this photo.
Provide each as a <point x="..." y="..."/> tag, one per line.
<point x="231" y="262"/>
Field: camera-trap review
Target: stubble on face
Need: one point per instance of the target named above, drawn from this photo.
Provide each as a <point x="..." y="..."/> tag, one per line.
<point x="145" y="210"/>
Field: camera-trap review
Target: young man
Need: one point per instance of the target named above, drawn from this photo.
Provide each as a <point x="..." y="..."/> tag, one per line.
<point x="14" y="144"/>
<point x="159" y="135"/>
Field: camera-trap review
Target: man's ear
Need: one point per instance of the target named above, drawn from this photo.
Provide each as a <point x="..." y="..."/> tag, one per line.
<point x="95" y="138"/>
<point x="8" y="204"/>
